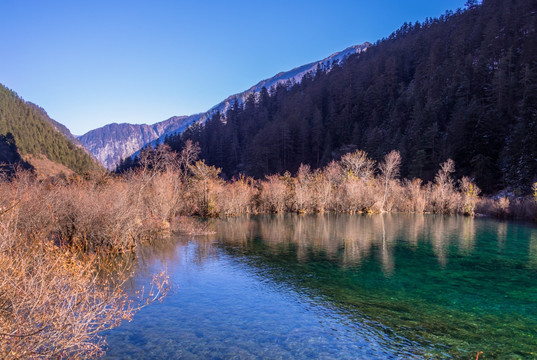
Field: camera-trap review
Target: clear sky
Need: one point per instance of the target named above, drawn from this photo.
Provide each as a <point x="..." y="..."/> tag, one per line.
<point x="94" y="62"/>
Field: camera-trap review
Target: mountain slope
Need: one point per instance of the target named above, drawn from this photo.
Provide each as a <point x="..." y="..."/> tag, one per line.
<point x="56" y="125"/>
<point x="111" y="143"/>
<point x="34" y="134"/>
<point x="288" y="77"/>
<point x="463" y="86"/>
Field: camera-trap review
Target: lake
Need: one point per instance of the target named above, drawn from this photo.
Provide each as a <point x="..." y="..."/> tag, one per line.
<point x="340" y="287"/>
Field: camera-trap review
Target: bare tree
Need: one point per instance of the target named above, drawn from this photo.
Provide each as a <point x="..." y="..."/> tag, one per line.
<point x="189" y="155"/>
<point x="389" y="170"/>
<point x="357" y="164"/>
<point x="444" y="197"/>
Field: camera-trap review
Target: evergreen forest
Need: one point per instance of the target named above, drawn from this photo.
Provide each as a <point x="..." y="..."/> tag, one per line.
<point x="26" y="129"/>
<point x="460" y="86"/>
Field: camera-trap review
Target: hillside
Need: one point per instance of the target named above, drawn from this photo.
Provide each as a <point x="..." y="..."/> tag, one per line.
<point x="34" y="134"/>
<point x="114" y="142"/>
<point x="111" y="143"/>
<point x="57" y="126"/>
<point x="462" y="86"/>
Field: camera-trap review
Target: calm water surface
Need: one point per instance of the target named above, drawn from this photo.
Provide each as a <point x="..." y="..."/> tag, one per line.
<point x="341" y="287"/>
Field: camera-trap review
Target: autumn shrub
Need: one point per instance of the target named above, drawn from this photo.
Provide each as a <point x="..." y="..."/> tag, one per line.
<point x="272" y="195"/>
<point x="356" y="195"/>
<point x="203" y="188"/>
<point x="358" y="192"/>
<point x="469" y="196"/>
<point x="322" y="191"/>
<point x="499" y="208"/>
<point x="303" y="190"/>
<point x="523" y="208"/>
<point x="55" y="300"/>
<point x="442" y="195"/>
<point x="237" y="197"/>
<point x="161" y="199"/>
<point x="411" y="198"/>
<point x="114" y="214"/>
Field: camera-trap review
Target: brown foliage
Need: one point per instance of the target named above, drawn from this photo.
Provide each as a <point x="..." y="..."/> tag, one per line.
<point x="56" y="300"/>
<point x="273" y="194"/>
<point x="444" y="198"/>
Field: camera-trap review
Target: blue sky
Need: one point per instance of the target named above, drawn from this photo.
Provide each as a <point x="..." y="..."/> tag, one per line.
<point x="90" y="63"/>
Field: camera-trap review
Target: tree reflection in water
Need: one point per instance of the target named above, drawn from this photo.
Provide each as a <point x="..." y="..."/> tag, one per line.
<point x="349" y="239"/>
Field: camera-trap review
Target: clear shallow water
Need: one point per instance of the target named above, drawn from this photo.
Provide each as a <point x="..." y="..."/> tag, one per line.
<point x="341" y="286"/>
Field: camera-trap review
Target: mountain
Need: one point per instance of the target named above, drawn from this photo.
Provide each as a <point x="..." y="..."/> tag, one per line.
<point x="27" y="130"/>
<point x="461" y="86"/>
<point x="112" y="143"/>
<point x="56" y="125"/>
<point x="287" y="78"/>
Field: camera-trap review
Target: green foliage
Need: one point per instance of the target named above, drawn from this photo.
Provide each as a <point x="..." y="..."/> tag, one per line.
<point x="33" y="134"/>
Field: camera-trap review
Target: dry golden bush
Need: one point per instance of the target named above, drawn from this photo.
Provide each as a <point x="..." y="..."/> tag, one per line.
<point x="161" y="199"/>
<point x="495" y="207"/>
<point x="442" y="195"/>
<point x="303" y="190"/>
<point x="237" y="197"/>
<point x="394" y="196"/>
<point x="79" y="212"/>
<point x="359" y="196"/>
<point x="358" y="164"/>
<point x="97" y="217"/>
<point x="203" y="188"/>
<point x="358" y="190"/>
<point x="412" y="197"/>
<point x="273" y="194"/>
<point x="523" y="208"/>
<point x="54" y="300"/>
<point x="321" y="191"/>
<point x="470" y="196"/>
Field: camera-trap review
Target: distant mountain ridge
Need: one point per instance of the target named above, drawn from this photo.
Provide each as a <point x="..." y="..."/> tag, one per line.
<point x="114" y="142"/>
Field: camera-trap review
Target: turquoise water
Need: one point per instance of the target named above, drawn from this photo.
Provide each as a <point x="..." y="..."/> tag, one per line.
<point x="341" y="287"/>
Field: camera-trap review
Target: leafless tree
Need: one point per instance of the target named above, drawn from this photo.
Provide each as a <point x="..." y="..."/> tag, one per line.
<point x="389" y="170"/>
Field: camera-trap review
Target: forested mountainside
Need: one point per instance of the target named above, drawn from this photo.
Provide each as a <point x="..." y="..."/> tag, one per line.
<point x="27" y="129"/>
<point x="462" y="86"/>
<point x="57" y="126"/>
<point x="114" y="142"/>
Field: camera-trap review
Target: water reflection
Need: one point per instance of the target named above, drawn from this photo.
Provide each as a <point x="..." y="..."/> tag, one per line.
<point x="350" y="239"/>
<point x="533" y="250"/>
<point x="382" y="286"/>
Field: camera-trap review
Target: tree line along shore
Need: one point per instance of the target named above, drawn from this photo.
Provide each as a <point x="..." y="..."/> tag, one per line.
<point x="68" y="244"/>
